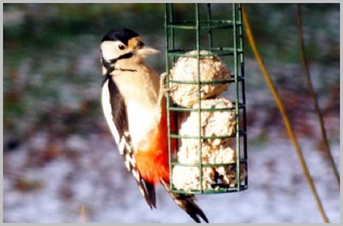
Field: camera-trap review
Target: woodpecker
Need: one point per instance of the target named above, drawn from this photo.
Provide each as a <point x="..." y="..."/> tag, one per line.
<point x="134" y="107"/>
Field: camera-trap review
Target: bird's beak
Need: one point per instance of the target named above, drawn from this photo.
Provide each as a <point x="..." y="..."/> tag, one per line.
<point x="146" y="51"/>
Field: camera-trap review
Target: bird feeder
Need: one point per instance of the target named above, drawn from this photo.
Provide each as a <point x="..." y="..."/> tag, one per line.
<point x="204" y="79"/>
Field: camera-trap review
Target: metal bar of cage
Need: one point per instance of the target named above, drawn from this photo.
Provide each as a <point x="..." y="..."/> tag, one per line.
<point x="236" y="51"/>
<point x="199" y="92"/>
<point x="237" y="96"/>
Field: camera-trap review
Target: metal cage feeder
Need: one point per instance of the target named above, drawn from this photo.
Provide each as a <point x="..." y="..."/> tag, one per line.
<point x="206" y="99"/>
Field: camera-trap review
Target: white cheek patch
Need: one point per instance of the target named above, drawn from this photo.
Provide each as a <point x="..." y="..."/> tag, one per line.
<point x="109" y="49"/>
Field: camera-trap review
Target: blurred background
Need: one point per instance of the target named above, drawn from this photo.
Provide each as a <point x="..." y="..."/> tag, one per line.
<point x="61" y="163"/>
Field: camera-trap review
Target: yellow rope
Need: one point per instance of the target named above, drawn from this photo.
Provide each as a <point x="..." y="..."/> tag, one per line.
<point x="313" y="95"/>
<point x="283" y="114"/>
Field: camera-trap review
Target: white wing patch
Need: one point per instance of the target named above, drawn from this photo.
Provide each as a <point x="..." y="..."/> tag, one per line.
<point x="106" y="107"/>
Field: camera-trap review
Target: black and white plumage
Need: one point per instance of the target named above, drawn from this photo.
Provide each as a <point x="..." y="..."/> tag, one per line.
<point x="132" y="106"/>
<point x="115" y="111"/>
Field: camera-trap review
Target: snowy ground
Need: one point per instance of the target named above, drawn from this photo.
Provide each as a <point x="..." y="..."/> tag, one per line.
<point x="56" y="172"/>
<point x="86" y="174"/>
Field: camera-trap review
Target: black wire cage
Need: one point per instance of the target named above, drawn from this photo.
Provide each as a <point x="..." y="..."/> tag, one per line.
<point x="207" y="132"/>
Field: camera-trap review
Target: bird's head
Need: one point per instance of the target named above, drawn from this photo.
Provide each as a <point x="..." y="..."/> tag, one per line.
<point x="124" y="43"/>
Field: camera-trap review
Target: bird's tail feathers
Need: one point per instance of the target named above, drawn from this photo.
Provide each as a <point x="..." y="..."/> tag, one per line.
<point x="187" y="203"/>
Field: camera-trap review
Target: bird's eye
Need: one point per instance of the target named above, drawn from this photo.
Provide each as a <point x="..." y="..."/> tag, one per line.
<point x="121" y="47"/>
<point x="140" y="44"/>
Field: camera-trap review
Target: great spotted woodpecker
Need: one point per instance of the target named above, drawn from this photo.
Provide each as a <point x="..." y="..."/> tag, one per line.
<point x="134" y="106"/>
